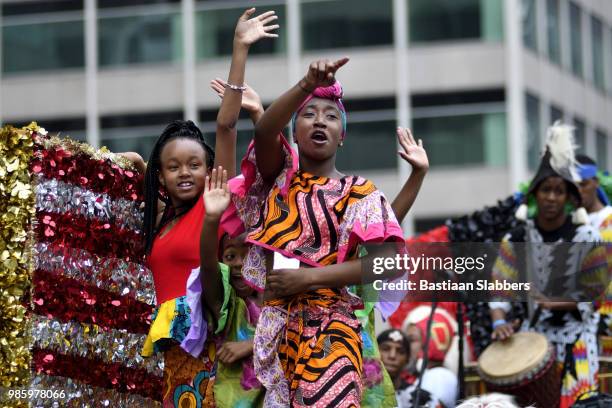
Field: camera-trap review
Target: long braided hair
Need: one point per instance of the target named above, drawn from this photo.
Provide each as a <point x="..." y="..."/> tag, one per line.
<point x="177" y="129"/>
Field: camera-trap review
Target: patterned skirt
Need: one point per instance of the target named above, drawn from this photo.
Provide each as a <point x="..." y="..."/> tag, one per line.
<point x="188" y="381"/>
<point x="308" y="352"/>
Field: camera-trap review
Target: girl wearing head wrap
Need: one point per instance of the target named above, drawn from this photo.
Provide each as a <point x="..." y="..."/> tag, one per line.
<point x="570" y="326"/>
<point x="307" y="346"/>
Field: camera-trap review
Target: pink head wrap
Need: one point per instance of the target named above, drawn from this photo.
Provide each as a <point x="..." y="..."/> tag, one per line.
<point x="333" y="92"/>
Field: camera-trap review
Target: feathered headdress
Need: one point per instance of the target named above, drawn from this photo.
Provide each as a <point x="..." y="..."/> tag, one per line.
<point x="558" y="160"/>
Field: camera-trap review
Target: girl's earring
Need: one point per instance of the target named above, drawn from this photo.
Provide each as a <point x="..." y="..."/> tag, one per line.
<point x="341" y="143"/>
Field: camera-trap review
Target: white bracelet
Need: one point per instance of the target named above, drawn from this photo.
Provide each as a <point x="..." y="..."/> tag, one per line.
<point x="235" y="87"/>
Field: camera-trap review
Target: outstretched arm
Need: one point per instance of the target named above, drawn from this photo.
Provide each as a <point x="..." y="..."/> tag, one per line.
<point x="275" y="118"/>
<point x="415" y="154"/>
<point x="216" y="200"/>
<point x="248" y="31"/>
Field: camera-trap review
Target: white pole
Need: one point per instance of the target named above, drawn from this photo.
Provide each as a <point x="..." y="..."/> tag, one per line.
<point x="294" y="45"/>
<point x="91" y="73"/>
<point x="402" y="94"/>
<point x="190" y="110"/>
<point x="294" y="41"/>
<point x="515" y="96"/>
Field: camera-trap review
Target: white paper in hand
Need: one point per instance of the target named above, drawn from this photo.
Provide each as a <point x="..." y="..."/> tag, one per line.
<point x="282" y="262"/>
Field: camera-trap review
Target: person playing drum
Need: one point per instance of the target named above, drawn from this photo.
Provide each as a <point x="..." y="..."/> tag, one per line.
<point x="571" y="327"/>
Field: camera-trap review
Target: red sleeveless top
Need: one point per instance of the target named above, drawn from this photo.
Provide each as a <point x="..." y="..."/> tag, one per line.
<point x="175" y="253"/>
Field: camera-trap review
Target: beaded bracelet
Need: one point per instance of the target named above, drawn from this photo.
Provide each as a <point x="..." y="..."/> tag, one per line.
<point x="235" y="87"/>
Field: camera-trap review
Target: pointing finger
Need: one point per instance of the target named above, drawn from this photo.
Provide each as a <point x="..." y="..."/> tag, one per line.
<point x="340" y="63"/>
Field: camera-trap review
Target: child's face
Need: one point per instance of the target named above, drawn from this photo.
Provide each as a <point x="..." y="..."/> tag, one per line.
<point x="393" y="356"/>
<point x="551" y="196"/>
<point x="183" y="170"/>
<point x="234" y="252"/>
<point x="318" y="129"/>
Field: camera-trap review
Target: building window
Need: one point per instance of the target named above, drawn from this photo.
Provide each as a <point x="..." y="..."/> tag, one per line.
<point x="580" y="135"/>
<point x="42" y="46"/>
<point x="601" y="140"/>
<point x="21" y="8"/>
<point x="215" y="32"/>
<point x="461" y="140"/>
<point x="462" y="128"/>
<point x="128" y="3"/>
<point x="556" y="114"/>
<point x="553" y="31"/>
<point x="449" y="20"/>
<point x="369" y="145"/>
<point x="135" y="132"/>
<point x="598" y="53"/>
<point x="530" y="31"/>
<point x="576" y="39"/>
<point x="534" y="122"/>
<point x="346" y="23"/>
<point x="136" y="39"/>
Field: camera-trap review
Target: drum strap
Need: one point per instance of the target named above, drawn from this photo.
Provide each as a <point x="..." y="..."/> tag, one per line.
<point x="535" y="317"/>
<point x="569" y="364"/>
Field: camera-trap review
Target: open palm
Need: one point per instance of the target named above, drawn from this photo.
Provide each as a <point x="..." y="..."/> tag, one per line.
<point x="413" y="152"/>
<point x="216" y="193"/>
<point x="251" y="101"/>
<point x="250" y="30"/>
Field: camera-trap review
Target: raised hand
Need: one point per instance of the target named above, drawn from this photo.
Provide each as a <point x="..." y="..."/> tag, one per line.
<point x="216" y="193"/>
<point x="413" y="152"/>
<point x="323" y="72"/>
<point x="250" y="30"/>
<point x="251" y="101"/>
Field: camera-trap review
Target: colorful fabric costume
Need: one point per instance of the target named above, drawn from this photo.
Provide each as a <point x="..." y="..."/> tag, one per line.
<point x="574" y="333"/>
<point x="378" y="388"/>
<point x="602" y="220"/>
<point x="188" y="381"/>
<point x="530" y="254"/>
<point x="235" y="385"/>
<point x="308" y="348"/>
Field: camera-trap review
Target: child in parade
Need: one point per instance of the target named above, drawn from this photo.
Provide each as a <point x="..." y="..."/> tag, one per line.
<point x="176" y="175"/>
<point x="307" y="346"/>
<point x="378" y="389"/>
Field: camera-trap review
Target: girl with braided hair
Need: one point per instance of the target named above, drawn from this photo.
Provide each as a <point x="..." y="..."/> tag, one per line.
<point x="174" y="214"/>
